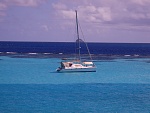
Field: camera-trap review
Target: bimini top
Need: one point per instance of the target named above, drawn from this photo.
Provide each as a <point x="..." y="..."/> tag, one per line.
<point x="88" y="63"/>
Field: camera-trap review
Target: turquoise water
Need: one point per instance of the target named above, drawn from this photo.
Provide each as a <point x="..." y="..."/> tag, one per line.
<point x="42" y="71"/>
<point x="31" y="85"/>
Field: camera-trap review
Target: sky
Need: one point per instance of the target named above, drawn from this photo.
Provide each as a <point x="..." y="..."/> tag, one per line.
<point x="110" y="21"/>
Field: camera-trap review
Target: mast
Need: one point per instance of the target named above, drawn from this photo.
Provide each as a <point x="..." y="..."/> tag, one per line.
<point x="78" y="39"/>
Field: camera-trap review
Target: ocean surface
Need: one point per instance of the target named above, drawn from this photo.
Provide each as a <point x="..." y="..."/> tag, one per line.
<point x="30" y="84"/>
<point x="69" y="48"/>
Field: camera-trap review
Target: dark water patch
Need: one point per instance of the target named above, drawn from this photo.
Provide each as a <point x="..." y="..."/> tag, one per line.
<point x="148" y="61"/>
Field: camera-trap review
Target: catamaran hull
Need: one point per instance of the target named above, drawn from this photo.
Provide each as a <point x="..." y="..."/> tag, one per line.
<point x="77" y="70"/>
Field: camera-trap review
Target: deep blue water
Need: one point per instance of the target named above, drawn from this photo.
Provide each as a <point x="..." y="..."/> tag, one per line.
<point x="69" y="48"/>
<point x="75" y="98"/>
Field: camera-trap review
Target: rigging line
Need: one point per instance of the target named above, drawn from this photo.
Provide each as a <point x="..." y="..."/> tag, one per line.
<point x="85" y="42"/>
<point x="75" y="44"/>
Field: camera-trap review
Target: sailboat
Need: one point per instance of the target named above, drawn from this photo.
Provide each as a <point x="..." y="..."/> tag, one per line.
<point x="77" y="65"/>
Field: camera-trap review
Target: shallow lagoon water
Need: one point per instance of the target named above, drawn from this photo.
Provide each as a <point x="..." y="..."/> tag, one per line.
<point x="32" y="85"/>
<point x="42" y="71"/>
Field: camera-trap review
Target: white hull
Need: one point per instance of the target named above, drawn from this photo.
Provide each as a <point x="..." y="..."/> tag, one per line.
<point x="91" y="69"/>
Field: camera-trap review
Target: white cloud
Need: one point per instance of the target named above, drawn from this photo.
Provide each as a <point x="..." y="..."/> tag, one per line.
<point x="105" y="13"/>
<point x="3" y="8"/>
<point x="5" y="4"/>
<point x="138" y="16"/>
<point x="89" y="13"/>
<point x="106" y="17"/>
<point x="141" y="2"/>
<point x="30" y="3"/>
<point x="108" y="12"/>
<point x="87" y="8"/>
<point x="59" y="6"/>
<point x="68" y="14"/>
<point x="45" y="27"/>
